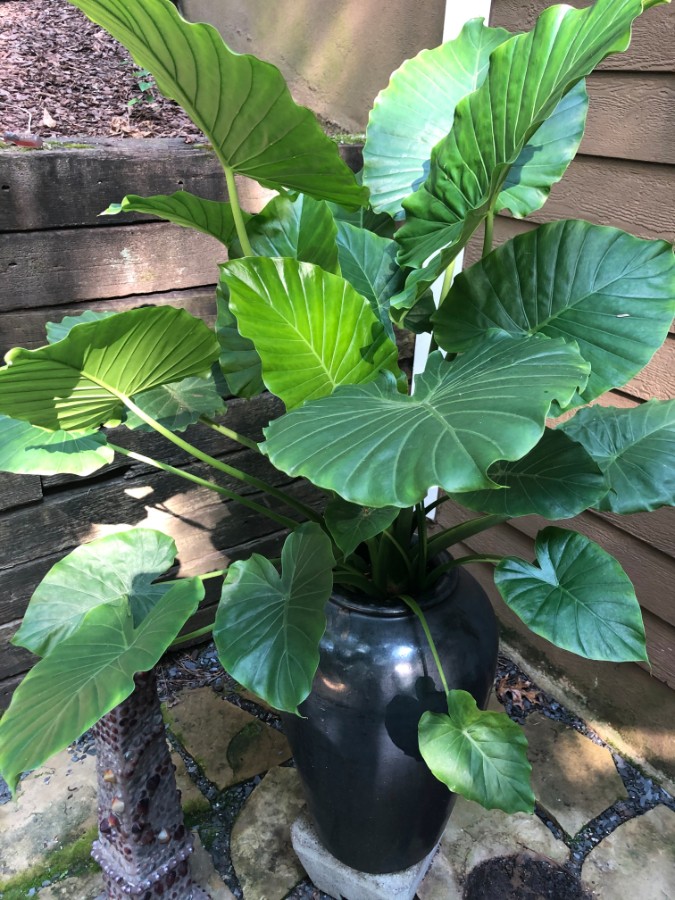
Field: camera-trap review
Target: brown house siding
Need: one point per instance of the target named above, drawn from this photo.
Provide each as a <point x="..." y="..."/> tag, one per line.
<point x="624" y="175"/>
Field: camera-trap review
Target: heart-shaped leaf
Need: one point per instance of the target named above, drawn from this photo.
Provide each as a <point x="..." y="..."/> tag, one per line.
<point x="368" y="263"/>
<point x="350" y="525"/>
<point x="268" y="626"/>
<point x="415" y="111"/>
<point x="577" y="596"/>
<point x="635" y="448"/>
<point x="611" y="293"/>
<point x="311" y="329"/>
<point x="557" y="479"/>
<point x="211" y="217"/>
<point x="27" y="450"/>
<point x="177" y="405"/>
<point x="377" y="447"/>
<point x="124" y="564"/>
<point x="56" y="331"/>
<point x="81" y="381"/>
<point x="242" y="104"/>
<point x="478" y="754"/>
<point x="546" y="156"/>
<point x="238" y="359"/>
<point x="87" y="675"/>
<point x="528" y="76"/>
<point x="297" y="227"/>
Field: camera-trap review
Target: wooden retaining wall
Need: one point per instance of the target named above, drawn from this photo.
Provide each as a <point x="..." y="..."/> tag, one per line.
<point x="624" y="175"/>
<point x="57" y="257"/>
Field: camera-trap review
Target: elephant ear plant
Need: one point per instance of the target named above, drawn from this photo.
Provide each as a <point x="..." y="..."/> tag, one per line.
<point x="306" y="306"/>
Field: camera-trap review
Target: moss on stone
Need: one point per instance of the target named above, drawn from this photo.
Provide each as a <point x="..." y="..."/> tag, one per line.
<point x="72" y="859"/>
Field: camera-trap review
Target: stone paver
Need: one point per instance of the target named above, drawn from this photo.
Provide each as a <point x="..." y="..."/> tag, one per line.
<point x="262" y="855"/>
<point x="229" y="744"/>
<point x="55" y="805"/>
<point x="473" y="835"/>
<point x="191" y="798"/>
<point x="573" y="778"/>
<point x="635" y="862"/>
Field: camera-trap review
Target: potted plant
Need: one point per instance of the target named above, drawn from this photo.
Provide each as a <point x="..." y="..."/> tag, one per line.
<point x="366" y="625"/>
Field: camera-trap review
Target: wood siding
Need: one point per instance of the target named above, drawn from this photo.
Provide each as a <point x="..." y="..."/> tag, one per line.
<point x="624" y="175"/>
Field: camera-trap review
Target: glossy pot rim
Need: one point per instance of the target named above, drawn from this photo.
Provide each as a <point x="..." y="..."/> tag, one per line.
<point x="352" y="601"/>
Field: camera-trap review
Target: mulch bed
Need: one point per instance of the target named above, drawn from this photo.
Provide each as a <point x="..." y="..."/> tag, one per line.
<point x="61" y="75"/>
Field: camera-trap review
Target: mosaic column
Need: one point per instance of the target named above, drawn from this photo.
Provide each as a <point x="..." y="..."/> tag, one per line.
<point x="143" y="846"/>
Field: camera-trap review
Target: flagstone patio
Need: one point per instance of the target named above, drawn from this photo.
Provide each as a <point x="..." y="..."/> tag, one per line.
<point x="600" y="826"/>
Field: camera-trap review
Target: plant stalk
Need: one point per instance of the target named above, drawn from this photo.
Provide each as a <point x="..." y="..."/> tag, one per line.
<point x="193" y="635"/>
<point x="220" y="465"/>
<point x="434" y="652"/>
<point x="203" y="482"/>
<point x="229" y="433"/>
<point x="447" y="281"/>
<point x="458" y="533"/>
<point x="236" y="211"/>
<point x="434" y="575"/>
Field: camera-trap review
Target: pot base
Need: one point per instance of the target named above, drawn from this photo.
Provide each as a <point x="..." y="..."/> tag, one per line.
<point x="337" y="880"/>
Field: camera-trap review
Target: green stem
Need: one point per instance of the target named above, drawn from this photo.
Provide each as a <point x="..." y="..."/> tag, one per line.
<point x="447" y="281"/>
<point x="229" y="433"/>
<point x="463" y="531"/>
<point x="434" y="575"/>
<point x="377" y="567"/>
<point x="354" y="580"/>
<point x="434" y="652"/>
<point x="442" y="499"/>
<point x="236" y="211"/>
<point x="188" y="476"/>
<point x="193" y="635"/>
<point x="489" y="229"/>
<point x="220" y="465"/>
<point x="404" y="556"/>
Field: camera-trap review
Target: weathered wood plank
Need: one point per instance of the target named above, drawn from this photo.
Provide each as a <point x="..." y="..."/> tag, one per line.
<point x="637" y="197"/>
<point x="47" y="268"/>
<point x="657" y="379"/>
<point x="652" y="572"/>
<point x="656" y="528"/>
<point x="32" y="194"/>
<point x="26" y="328"/>
<point x="7" y="688"/>
<point x="13" y="660"/>
<point x="631" y="116"/>
<point x="17" y="490"/>
<point x="651" y="48"/>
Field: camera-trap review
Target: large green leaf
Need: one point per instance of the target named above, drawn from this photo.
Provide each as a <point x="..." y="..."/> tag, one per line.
<point x="242" y="104"/>
<point x="635" y="448"/>
<point x="368" y="263"/>
<point x="364" y="217"/>
<point x="479" y="754"/>
<point x="268" y="626"/>
<point x="300" y="228"/>
<point x="311" y="329"/>
<point x="87" y="675"/>
<point x="577" y="596"/>
<point x="543" y="160"/>
<point x="211" y="217"/>
<point x="527" y="78"/>
<point x="238" y="358"/>
<point x="80" y="382"/>
<point x="557" y="479"/>
<point x="124" y="564"/>
<point x="376" y="447"/>
<point x="27" y="450"/>
<point x="350" y="525"/>
<point x="415" y="111"/>
<point x="177" y="405"/>
<point x="56" y="331"/>
<point x="611" y="293"/>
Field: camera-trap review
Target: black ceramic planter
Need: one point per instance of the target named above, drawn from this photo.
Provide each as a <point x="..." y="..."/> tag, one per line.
<point x="376" y="805"/>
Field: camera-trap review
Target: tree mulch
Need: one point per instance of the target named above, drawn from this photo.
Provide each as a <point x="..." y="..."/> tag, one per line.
<point x="61" y="75"/>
